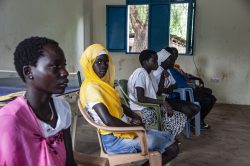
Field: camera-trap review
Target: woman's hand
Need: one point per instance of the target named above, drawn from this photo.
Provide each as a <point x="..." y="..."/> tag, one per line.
<point x="171" y="88"/>
<point x="167" y="108"/>
<point x="165" y="73"/>
<point x="137" y="121"/>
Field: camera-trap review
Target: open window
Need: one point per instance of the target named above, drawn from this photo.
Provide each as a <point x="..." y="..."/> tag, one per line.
<point x="151" y="24"/>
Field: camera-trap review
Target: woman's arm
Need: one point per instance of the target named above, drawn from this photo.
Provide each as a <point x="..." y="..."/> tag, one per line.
<point x="161" y="86"/>
<point x="143" y="99"/>
<point x="129" y="112"/>
<point x="191" y="77"/>
<point x="70" y="161"/>
<point x="107" y="118"/>
<point x="136" y="119"/>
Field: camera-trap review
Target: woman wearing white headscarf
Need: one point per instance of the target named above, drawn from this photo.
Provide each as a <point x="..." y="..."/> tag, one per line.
<point x="163" y="60"/>
<point x="167" y="86"/>
<point x="142" y="87"/>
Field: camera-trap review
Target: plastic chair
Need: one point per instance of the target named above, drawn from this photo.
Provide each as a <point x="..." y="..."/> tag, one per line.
<point x="81" y="158"/>
<point x="122" y="84"/>
<point x="88" y="160"/>
<point x="183" y="92"/>
<point x="115" y="159"/>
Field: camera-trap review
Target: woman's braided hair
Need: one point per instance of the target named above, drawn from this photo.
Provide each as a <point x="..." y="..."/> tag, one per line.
<point x="29" y="51"/>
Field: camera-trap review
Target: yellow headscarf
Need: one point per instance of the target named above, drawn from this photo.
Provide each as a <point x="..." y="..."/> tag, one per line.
<point x="95" y="89"/>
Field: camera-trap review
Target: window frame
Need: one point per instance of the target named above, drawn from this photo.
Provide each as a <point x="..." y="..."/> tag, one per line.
<point x="190" y="23"/>
<point x="108" y="9"/>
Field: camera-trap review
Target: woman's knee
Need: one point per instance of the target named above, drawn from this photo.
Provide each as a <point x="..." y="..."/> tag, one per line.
<point x="190" y="110"/>
<point x="213" y="98"/>
<point x="195" y="109"/>
<point x="173" y="149"/>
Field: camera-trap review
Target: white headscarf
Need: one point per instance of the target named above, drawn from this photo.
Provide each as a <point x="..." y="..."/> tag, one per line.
<point x="162" y="56"/>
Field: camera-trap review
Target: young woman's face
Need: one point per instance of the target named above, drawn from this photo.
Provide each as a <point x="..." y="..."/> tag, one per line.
<point x="101" y="65"/>
<point x="172" y="60"/>
<point x="152" y="63"/>
<point x="175" y="54"/>
<point x="50" y="74"/>
<point x="167" y="63"/>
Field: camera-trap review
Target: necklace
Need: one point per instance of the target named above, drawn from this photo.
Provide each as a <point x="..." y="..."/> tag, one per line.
<point x="52" y="112"/>
<point x="51" y="109"/>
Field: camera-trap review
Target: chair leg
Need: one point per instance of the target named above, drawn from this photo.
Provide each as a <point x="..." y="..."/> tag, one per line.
<point x="187" y="128"/>
<point x="73" y="135"/>
<point x="155" y="159"/>
<point x="183" y="95"/>
<point x="197" y="124"/>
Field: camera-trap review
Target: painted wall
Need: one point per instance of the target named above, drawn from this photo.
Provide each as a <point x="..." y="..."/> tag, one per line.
<point x="60" y="20"/>
<point x="222" y="47"/>
<point x="221" y="38"/>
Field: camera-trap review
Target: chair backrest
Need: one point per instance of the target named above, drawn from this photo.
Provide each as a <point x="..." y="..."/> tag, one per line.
<point x="123" y="86"/>
<point x="87" y="116"/>
<point x="90" y="120"/>
<point x="86" y="159"/>
<point x="123" y="83"/>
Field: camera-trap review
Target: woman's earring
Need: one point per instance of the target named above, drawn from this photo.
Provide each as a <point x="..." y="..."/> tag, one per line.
<point x="30" y="76"/>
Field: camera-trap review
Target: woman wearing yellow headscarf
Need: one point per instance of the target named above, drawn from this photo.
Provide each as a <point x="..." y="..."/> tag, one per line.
<point x="98" y="96"/>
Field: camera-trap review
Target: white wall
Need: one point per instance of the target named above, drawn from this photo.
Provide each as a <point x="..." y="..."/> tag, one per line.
<point x="60" y="20"/>
<point x="125" y="63"/>
<point x="221" y="38"/>
<point x="222" y="47"/>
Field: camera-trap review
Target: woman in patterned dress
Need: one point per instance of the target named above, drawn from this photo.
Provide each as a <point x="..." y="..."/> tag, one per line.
<point x="142" y="87"/>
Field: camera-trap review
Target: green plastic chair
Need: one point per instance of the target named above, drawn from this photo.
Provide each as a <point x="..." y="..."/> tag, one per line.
<point x="122" y="85"/>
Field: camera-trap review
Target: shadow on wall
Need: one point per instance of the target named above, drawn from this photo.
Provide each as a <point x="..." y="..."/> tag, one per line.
<point x="126" y="66"/>
<point x="201" y="67"/>
<point x="120" y="64"/>
<point x="246" y="3"/>
<point x="248" y="76"/>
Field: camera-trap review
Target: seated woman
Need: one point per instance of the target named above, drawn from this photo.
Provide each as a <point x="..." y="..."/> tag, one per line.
<point x="142" y="87"/>
<point x="166" y="85"/>
<point x="202" y="95"/>
<point x="189" y="77"/>
<point x="103" y="103"/>
<point x="35" y="128"/>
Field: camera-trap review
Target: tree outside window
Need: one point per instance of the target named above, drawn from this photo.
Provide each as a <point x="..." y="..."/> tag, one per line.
<point x="178" y="26"/>
<point x="138" y="28"/>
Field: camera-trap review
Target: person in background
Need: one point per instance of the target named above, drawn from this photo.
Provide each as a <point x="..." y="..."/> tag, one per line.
<point x="189" y="77"/>
<point x="166" y="85"/>
<point x="102" y="101"/>
<point x="204" y="97"/>
<point x="142" y="87"/>
<point x="35" y="128"/>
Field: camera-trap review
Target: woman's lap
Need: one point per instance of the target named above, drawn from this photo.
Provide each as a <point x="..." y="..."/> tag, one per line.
<point x="177" y="104"/>
<point x="186" y="107"/>
<point x="148" y="117"/>
<point x="174" y="124"/>
<point x="156" y="141"/>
